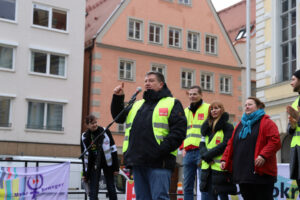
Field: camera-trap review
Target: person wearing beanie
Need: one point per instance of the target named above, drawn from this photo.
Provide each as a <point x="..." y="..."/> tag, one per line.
<point x="294" y="130"/>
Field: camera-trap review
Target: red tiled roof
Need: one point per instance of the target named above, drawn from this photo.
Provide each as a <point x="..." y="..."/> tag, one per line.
<point x="234" y="17"/>
<point x="98" y="11"/>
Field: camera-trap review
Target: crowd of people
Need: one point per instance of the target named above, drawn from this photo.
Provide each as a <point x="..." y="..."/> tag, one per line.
<point x="223" y="155"/>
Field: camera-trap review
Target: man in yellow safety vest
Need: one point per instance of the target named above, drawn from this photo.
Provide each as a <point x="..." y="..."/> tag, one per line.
<point x="155" y="128"/>
<point x="294" y="130"/>
<point x="196" y="114"/>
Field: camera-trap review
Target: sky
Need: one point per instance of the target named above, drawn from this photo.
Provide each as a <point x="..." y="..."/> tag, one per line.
<point x="221" y="4"/>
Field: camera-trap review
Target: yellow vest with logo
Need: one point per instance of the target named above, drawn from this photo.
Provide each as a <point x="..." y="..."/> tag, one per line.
<point x="296" y="137"/>
<point x="160" y="118"/>
<point x="217" y="139"/>
<point x="194" y="124"/>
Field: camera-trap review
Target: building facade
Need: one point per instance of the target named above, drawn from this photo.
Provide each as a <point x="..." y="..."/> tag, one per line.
<point x="236" y="29"/>
<point x="185" y="40"/>
<point x="41" y="70"/>
<point x="277" y="42"/>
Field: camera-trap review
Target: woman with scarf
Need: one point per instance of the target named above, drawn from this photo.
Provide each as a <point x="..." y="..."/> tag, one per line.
<point x="217" y="131"/>
<point x="102" y="155"/>
<point x="251" y="152"/>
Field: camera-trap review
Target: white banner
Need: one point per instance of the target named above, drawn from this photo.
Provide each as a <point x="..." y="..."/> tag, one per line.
<point x="284" y="188"/>
<point x="26" y="183"/>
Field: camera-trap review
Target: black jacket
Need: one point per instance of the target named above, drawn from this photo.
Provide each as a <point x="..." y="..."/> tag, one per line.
<point x="98" y="160"/>
<point x="221" y="181"/>
<point x="143" y="150"/>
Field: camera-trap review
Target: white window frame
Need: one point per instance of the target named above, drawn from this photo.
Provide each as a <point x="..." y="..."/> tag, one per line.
<point x="12" y="45"/>
<point x="132" y="71"/>
<point x="46" y="102"/>
<point x="158" y="66"/>
<point x="160" y="34"/>
<point x="179" y="38"/>
<point x="291" y="62"/>
<point x="198" y="35"/>
<point x="16" y="14"/>
<point x="122" y="128"/>
<point x="11" y="97"/>
<point x="185" y="2"/>
<point x="48" y="53"/>
<point x="50" y="10"/>
<point x="223" y="78"/>
<point x="205" y="81"/>
<point x="134" y="20"/>
<point x="210" y="36"/>
<point x="186" y="86"/>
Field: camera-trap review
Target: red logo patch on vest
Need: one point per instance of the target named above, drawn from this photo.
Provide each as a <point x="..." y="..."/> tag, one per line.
<point x="201" y="116"/>
<point x="218" y="140"/>
<point x="163" y="112"/>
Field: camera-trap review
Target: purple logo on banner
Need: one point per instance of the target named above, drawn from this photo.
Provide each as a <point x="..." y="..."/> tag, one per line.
<point x="35" y="183"/>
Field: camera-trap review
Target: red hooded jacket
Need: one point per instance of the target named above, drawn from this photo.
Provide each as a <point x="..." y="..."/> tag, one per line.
<point x="267" y="144"/>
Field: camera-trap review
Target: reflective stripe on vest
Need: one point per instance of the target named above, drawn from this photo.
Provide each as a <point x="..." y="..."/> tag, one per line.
<point x="194" y="124"/>
<point x="160" y="118"/>
<point x="296" y="137"/>
<point x="217" y="139"/>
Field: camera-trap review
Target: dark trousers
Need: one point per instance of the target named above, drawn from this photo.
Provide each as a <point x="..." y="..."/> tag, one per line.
<point x="94" y="183"/>
<point x="257" y="191"/>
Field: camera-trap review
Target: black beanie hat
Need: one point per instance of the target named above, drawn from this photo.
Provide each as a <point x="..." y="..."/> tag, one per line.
<point x="297" y="74"/>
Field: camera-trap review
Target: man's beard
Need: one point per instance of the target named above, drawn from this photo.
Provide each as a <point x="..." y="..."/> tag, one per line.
<point x="297" y="87"/>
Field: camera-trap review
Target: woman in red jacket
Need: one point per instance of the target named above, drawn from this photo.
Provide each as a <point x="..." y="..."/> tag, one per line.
<point x="251" y="152"/>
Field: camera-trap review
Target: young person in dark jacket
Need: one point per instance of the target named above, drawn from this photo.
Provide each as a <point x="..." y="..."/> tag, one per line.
<point x="217" y="131"/>
<point x="155" y="128"/>
<point x="251" y="152"/>
<point x="102" y="155"/>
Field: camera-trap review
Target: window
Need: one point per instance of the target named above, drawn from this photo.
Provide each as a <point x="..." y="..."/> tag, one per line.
<point x="45" y="116"/>
<point x="211" y="44"/>
<point x="5" y="111"/>
<point x="174" y="37"/>
<point x="207" y="81"/>
<point x="193" y="41"/>
<point x="288" y="39"/>
<point x="122" y="128"/>
<point x="48" y="63"/>
<point x="155" y="33"/>
<point x="158" y="68"/>
<point x="49" y="17"/>
<point x="7" y="55"/>
<point x="8" y="9"/>
<point x="253" y="88"/>
<point x="135" y="29"/>
<point x="241" y="34"/>
<point x="187" y="2"/>
<point x="126" y="70"/>
<point x="187" y="79"/>
<point x="225" y="84"/>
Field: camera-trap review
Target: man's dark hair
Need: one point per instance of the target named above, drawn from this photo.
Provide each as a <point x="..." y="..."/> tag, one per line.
<point x="160" y="77"/>
<point x="196" y="87"/>
<point x="89" y="119"/>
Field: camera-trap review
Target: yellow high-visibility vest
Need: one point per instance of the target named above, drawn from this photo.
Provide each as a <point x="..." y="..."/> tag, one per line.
<point x="160" y="118"/>
<point x="194" y="124"/>
<point x="217" y="139"/>
<point x="296" y="137"/>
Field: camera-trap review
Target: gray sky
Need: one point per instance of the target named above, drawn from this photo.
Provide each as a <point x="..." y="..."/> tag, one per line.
<point x="221" y="4"/>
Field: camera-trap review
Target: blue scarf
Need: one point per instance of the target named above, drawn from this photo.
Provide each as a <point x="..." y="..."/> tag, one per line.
<point x="248" y="121"/>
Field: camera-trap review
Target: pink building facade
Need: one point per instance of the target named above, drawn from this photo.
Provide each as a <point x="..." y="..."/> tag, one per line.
<point x="183" y="39"/>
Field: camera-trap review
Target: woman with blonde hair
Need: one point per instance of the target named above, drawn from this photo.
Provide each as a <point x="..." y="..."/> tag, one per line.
<point x="216" y="131"/>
